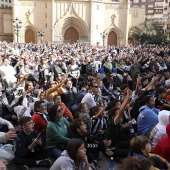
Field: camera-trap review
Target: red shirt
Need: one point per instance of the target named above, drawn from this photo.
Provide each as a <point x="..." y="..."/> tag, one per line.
<point x="40" y="122"/>
<point x="66" y="111"/>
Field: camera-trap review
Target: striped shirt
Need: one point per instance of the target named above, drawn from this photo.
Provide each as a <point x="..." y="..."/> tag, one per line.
<point x="98" y="124"/>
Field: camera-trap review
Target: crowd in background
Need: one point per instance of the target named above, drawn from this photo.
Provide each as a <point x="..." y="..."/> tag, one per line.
<point x="95" y="100"/>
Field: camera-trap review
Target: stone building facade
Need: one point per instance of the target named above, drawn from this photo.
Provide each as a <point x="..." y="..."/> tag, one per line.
<point x="76" y="20"/>
<point x="6" y="25"/>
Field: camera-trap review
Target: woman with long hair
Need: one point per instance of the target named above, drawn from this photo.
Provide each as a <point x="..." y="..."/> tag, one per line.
<point x="57" y="131"/>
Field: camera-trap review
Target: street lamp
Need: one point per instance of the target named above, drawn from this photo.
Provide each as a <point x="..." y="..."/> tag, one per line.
<point x="41" y="35"/>
<point x="103" y="35"/>
<point x="17" y="26"/>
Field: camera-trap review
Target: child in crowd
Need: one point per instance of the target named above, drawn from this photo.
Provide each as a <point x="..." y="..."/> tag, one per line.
<point x="160" y="101"/>
<point x="30" y="150"/>
<point x="74" y="157"/>
<point x="141" y="148"/>
<point x="24" y="107"/>
<point x="79" y="130"/>
<point x="84" y="115"/>
<point x="137" y="164"/>
<point x="114" y="129"/>
<point x="99" y="121"/>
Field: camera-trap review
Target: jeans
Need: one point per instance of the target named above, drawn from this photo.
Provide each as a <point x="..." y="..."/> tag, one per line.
<point x="55" y="152"/>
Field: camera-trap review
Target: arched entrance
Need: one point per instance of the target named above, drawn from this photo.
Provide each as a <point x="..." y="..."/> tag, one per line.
<point x="71" y="35"/>
<point x="112" y="38"/>
<point x="29" y="36"/>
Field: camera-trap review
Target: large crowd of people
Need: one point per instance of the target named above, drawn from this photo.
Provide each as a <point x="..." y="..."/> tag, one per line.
<point x="77" y="102"/>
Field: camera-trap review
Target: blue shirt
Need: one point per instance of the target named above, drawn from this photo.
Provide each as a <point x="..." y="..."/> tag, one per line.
<point x="147" y="118"/>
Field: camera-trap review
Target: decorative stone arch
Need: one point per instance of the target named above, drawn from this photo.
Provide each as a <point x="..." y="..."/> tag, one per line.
<point x="71" y="35"/>
<point x="27" y="28"/>
<point x="63" y="24"/>
<point x="118" y="33"/>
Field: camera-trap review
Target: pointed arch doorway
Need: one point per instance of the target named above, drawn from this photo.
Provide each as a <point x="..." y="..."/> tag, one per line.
<point x="29" y="36"/>
<point x="112" y="38"/>
<point x="71" y="35"/>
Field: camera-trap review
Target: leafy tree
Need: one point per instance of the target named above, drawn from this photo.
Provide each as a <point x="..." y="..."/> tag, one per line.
<point x="147" y="33"/>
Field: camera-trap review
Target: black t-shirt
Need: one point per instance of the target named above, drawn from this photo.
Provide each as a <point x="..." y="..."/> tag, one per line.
<point x="159" y="104"/>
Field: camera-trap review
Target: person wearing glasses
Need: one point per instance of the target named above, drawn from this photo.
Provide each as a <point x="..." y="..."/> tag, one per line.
<point x="40" y="117"/>
<point x="91" y="97"/>
<point x="29" y="147"/>
<point x="57" y="133"/>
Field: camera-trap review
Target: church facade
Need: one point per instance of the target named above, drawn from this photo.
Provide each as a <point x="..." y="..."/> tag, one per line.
<point x="103" y="22"/>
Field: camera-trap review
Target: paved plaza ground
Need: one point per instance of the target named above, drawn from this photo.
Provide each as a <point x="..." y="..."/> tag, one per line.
<point x="103" y="164"/>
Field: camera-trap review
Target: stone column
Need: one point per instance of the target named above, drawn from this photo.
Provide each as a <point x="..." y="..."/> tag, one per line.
<point x="92" y="21"/>
<point x="15" y="14"/>
<point x="52" y="21"/>
<point x="127" y="11"/>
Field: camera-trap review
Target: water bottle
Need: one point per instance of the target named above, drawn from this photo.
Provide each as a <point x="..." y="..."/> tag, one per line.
<point x="111" y="164"/>
<point x="131" y="130"/>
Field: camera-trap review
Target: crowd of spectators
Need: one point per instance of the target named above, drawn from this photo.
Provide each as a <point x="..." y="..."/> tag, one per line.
<point x="75" y="102"/>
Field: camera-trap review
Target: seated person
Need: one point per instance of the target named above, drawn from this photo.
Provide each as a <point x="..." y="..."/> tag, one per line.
<point x="79" y="130"/>
<point x="83" y="114"/>
<point x="160" y="101"/>
<point x="66" y="112"/>
<point x="141" y="148"/>
<point x="39" y="117"/>
<point x="147" y="113"/>
<point x="30" y="150"/>
<point x="57" y="133"/>
<point x="24" y="108"/>
<point x="74" y="157"/>
<point x="114" y="130"/>
<point x="99" y="121"/>
<point x="163" y="146"/>
<point x="70" y="96"/>
<point x="137" y="164"/>
<point x="159" y="131"/>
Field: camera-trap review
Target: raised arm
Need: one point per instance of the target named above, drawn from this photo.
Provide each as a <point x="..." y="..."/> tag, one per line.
<point x="122" y="108"/>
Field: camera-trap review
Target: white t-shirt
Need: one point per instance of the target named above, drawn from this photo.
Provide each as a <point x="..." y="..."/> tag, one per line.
<point x="89" y="100"/>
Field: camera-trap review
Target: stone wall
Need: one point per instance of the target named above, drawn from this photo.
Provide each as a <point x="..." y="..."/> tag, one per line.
<point x="89" y="17"/>
<point x="6" y="24"/>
